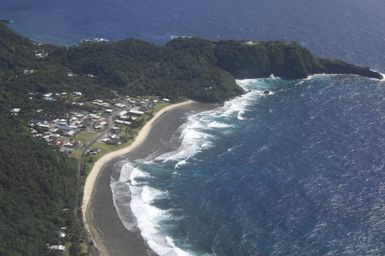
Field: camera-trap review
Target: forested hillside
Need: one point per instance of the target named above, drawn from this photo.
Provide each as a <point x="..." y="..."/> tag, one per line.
<point x="37" y="191"/>
<point x="196" y="68"/>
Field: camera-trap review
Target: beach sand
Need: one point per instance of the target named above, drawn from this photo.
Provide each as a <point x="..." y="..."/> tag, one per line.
<point x="101" y="220"/>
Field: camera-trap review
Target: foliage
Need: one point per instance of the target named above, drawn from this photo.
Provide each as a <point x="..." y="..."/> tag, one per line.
<point x="36" y="184"/>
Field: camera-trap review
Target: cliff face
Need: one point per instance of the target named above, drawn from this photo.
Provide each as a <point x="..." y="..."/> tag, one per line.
<point x="288" y="60"/>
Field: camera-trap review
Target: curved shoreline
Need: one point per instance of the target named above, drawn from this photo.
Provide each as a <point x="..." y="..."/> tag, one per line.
<point x="100" y="165"/>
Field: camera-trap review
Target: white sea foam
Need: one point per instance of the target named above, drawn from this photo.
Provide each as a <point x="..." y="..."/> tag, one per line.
<point x="273" y="77"/>
<point x="197" y="132"/>
<point x="245" y="82"/>
<point x="219" y="125"/>
<point x="323" y="75"/>
<point x="238" y="106"/>
<point x="194" y="138"/>
<point x="383" y="75"/>
<point x="133" y="199"/>
<point x="135" y="175"/>
<point x="150" y="217"/>
<point x="122" y="197"/>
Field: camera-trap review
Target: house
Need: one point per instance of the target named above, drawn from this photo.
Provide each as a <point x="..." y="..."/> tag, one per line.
<point x="39" y="55"/>
<point x="109" y="111"/>
<point x="103" y="123"/>
<point x="60" y="142"/>
<point x="48" y="97"/>
<point x="98" y="127"/>
<point x="94" y="116"/>
<point x="15" y="111"/>
<point x="69" y="144"/>
<point x="122" y="122"/>
<point x="120" y="105"/>
<point x="69" y="133"/>
<point x="136" y="112"/>
<point x="115" y="129"/>
<point x="57" y="247"/>
<point x="123" y="115"/>
<point x="61" y="122"/>
<point x="54" y="130"/>
<point x="67" y="130"/>
<point x="110" y="139"/>
<point x="28" y="71"/>
<point x="42" y="126"/>
<point x="106" y="140"/>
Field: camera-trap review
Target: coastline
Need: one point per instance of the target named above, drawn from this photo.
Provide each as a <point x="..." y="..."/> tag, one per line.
<point x="100" y="218"/>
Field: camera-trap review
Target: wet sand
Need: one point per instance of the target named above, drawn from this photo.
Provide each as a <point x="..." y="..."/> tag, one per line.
<point x="100" y="217"/>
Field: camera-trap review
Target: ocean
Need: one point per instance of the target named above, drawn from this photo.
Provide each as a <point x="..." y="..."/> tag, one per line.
<point x="299" y="171"/>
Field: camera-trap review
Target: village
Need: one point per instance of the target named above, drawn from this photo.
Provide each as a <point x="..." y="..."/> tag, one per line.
<point x="109" y="122"/>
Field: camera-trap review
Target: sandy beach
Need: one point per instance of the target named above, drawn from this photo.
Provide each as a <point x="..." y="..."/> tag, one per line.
<point x="101" y="221"/>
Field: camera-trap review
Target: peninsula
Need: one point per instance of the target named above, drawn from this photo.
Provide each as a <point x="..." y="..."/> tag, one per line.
<point x="41" y="185"/>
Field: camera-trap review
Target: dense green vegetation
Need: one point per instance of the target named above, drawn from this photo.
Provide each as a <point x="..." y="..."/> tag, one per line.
<point x="192" y="67"/>
<point x="137" y="68"/>
<point x="37" y="182"/>
<point x="36" y="192"/>
<point x="283" y="59"/>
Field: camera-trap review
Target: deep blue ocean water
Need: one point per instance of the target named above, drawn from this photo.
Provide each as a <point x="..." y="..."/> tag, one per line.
<point x="297" y="172"/>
